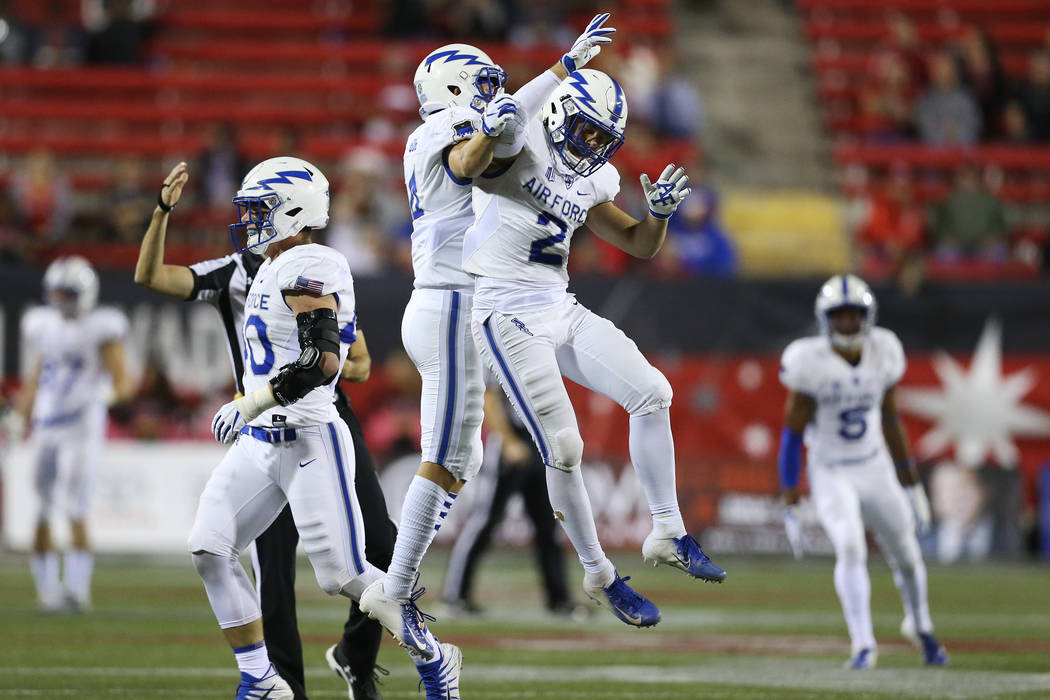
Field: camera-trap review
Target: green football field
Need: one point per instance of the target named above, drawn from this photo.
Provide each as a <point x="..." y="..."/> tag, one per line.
<point x="773" y="630"/>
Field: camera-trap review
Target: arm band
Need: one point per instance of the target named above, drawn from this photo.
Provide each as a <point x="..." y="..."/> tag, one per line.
<point x="905" y="465"/>
<point x="790" y="458"/>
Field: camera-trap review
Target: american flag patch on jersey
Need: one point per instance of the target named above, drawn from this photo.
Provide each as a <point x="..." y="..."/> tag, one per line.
<point x="311" y="287"/>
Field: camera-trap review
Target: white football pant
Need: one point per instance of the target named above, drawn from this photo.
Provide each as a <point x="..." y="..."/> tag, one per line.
<point x="68" y="455"/>
<point x="437" y="337"/>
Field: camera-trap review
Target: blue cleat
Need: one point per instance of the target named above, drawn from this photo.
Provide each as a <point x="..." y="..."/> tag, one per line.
<point x="682" y="553"/>
<point x="402" y="618"/>
<point x="863" y="660"/>
<point x="440" y="677"/>
<point x="933" y="654"/>
<point x="271" y="687"/>
<point x="625" y="603"/>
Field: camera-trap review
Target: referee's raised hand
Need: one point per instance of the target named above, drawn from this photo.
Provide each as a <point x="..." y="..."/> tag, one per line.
<point x="171" y="190"/>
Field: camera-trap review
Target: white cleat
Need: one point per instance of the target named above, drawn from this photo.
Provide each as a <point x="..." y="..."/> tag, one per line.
<point x="401" y="618"/>
<point x="863" y="660"/>
<point x="271" y="687"/>
<point x="440" y="677"/>
<point x="681" y="553"/>
<point x="909" y="632"/>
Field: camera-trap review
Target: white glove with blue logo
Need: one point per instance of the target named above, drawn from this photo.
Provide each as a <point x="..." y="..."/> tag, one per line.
<point x="227" y="423"/>
<point x="793" y="530"/>
<point x="501" y="110"/>
<point x="588" y="44"/>
<point x="668" y="192"/>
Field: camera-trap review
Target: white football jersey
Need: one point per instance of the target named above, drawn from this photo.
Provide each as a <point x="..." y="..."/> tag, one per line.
<point x="271" y="336"/>
<point x="524" y="218"/>
<point x="439" y="202"/>
<point x="847" y="427"/>
<point x="72" y="378"/>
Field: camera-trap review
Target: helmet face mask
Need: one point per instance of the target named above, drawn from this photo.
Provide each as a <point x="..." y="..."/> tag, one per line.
<point x="846" y="310"/>
<point x="457" y="75"/>
<point x="277" y="199"/>
<point x="585" y="119"/>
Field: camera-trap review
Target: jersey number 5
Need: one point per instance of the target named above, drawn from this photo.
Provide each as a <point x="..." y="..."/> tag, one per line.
<point x="536" y="253"/>
<point x="853" y="424"/>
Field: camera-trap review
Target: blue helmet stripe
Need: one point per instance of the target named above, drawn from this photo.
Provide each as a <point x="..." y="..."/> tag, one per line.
<point x="845" y="288"/>
<point x="282" y="178"/>
<point x="617" y="110"/>
<point x="453" y="55"/>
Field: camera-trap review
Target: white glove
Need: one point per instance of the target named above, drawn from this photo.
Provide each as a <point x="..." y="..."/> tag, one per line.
<point x="668" y="192"/>
<point x="920" y="507"/>
<point x="12" y="425"/>
<point x="501" y="110"/>
<point x="229" y="419"/>
<point x="588" y="44"/>
<point x="793" y="530"/>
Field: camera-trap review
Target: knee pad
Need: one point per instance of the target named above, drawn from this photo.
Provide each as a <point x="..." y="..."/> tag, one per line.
<point x="209" y="566"/>
<point x="568" y="449"/>
<point x="852" y="550"/>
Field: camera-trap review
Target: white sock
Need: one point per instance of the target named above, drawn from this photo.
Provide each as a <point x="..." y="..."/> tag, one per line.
<point x="854" y="589"/>
<point x="568" y="497"/>
<point x="911" y="582"/>
<point x="652" y="454"/>
<point x="425" y="507"/>
<point x="44" y="566"/>
<point x="79" y="563"/>
<point x="253" y="659"/>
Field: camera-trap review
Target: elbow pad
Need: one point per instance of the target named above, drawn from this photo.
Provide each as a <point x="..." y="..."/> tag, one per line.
<point x="790" y="457"/>
<point x="318" y="334"/>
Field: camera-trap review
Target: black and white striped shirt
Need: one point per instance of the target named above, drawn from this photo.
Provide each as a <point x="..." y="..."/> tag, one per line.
<point x="224" y="283"/>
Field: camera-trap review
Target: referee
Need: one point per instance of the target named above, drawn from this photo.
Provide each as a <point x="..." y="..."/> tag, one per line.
<point x="224" y="283"/>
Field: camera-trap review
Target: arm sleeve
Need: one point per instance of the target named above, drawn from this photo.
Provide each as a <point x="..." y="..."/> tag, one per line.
<point x="789" y="459"/>
<point x="793" y="370"/>
<point x="210" y="278"/>
<point x="530" y="97"/>
<point x="29" y="326"/>
<point x="315" y="275"/>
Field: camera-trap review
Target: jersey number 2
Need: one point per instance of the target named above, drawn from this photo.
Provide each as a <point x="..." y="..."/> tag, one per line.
<point x="264" y="367"/>
<point x="413" y="198"/>
<point x="536" y="253"/>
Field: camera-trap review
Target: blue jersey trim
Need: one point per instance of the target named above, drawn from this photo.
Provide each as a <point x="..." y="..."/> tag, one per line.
<point x="444" y="163"/>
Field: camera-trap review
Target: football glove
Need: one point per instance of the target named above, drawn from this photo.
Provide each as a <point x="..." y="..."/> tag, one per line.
<point x="793" y="530"/>
<point x="501" y="110"/>
<point x="588" y="44"/>
<point x="229" y="419"/>
<point x="668" y="192"/>
<point x="920" y="507"/>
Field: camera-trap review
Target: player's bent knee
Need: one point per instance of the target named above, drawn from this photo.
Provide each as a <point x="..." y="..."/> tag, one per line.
<point x="852" y="551"/>
<point x="568" y="449"/>
<point x="656" y="394"/>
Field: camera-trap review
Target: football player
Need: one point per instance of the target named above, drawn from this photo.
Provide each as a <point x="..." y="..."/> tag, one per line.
<point x="532" y="331"/>
<point x="224" y="283"/>
<point x="288" y="446"/>
<point x="842" y="403"/>
<point x="464" y="117"/>
<point x="76" y="351"/>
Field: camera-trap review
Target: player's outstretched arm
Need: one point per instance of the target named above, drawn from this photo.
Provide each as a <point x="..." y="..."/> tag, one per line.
<point x="358" y="365"/>
<point x="150" y="269"/>
<point x="642" y="239"/>
<point x="112" y="355"/>
<point x="907" y="474"/>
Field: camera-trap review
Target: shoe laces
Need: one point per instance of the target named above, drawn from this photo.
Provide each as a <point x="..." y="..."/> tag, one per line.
<point x="624" y="597"/>
<point x="690" y="550"/>
<point x="411" y="612"/>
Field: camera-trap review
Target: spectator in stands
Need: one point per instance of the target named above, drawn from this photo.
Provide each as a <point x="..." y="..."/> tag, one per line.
<point x="364" y="215"/>
<point x="221" y="166"/>
<point x="947" y="113"/>
<point x="904" y="43"/>
<point x="118" y="30"/>
<point x="19" y="38"/>
<point x="474" y="19"/>
<point x="983" y="73"/>
<point x="971" y="223"/>
<point x="1034" y="95"/>
<point x="1015" y="123"/>
<point x="126" y="202"/>
<point x="43" y="198"/>
<point x="675" y="108"/>
<point x="702" y="245"/>
<point x="885" y="100"/>
<point x="892" y="232"/>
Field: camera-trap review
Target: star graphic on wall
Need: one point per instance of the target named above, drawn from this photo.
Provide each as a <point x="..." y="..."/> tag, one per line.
<point x="978" y="412"/>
